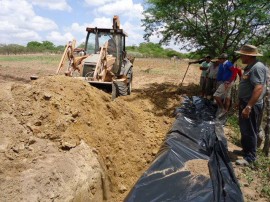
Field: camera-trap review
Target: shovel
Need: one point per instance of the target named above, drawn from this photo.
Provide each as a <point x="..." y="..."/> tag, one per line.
<point x="184" y="76"/>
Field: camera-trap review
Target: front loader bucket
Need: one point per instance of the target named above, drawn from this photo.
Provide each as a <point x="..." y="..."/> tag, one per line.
<point x="116" y="88"/>
<point x="105" y="86"/>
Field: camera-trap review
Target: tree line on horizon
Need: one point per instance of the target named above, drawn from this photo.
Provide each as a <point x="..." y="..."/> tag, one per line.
<point x="31" y="47"/>
<point x="143" y="50"/>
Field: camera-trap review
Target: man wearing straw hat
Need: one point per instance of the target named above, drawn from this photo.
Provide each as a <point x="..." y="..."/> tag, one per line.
<point x="252" y="89"/>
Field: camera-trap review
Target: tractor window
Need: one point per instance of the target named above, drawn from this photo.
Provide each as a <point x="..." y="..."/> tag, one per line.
<point x="103" y="38"/>
<point x="90" y="46"/>
<point x="95" y="41"/>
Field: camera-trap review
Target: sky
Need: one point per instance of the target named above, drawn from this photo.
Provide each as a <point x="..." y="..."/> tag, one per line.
<point x="60" y="21"/>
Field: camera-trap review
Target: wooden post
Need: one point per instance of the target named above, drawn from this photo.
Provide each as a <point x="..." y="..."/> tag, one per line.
<point x="267" y="126"/>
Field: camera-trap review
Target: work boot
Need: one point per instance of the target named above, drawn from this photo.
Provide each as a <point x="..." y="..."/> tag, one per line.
<point x="242" y="162"/>
<point x="238" y="152"/>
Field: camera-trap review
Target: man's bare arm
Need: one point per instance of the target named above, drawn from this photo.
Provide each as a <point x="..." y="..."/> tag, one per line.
<point x="257" y="91"/>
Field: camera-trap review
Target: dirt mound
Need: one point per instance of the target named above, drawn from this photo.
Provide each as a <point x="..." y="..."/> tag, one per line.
<point x="65" y="112"/>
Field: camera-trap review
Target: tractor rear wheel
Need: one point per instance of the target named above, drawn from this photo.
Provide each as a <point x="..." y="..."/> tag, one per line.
<point x="129" y="81"/>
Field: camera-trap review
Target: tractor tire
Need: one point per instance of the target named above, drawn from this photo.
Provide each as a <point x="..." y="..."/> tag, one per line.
<point x="119" y="88"/>
<point x="129" y="86"/>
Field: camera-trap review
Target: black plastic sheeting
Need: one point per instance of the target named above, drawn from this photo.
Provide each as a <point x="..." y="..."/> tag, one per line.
<point x="196" y="134"/>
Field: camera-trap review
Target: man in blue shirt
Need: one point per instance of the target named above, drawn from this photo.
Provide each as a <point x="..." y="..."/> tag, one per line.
<point x="223" y="92"/>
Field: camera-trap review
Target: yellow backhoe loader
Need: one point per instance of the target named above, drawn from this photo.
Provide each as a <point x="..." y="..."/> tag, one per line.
<point x="102" y="62"/>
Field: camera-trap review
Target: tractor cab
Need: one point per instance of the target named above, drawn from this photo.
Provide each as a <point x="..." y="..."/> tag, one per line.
<point x="114" y="42"/>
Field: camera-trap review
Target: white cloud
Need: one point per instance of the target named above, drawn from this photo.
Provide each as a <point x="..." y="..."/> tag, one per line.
<point x="102" y="22"/>
<point x="27" y="35"/>
<point x="11" y="7"/>
<point x="18" y="21"/>
<point x="97" y="2"/>
<point x="5" y="25"/>
<point x="52" y="4"/>
<point x="41" y="24"/>
<point x="154" y="38"/>
<point x="122" y="7"/>
<point x="77" y="28"/>
<point x="59" y="38"/>
<point x="134" y="32"/>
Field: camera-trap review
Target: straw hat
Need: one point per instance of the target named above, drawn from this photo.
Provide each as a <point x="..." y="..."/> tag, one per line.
<point x="249" y="50"/>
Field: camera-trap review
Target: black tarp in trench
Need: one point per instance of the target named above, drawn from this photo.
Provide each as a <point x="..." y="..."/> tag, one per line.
<point x="195" y="134"/>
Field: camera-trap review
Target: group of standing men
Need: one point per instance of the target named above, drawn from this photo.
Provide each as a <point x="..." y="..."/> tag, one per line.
<point x="217" y="79"/>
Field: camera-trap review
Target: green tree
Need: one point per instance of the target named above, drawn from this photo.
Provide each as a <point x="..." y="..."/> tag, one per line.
<point x="47" y="45"/>
<point x="60" y="48"/>
<point x="34" y="46"/>
<point x="213" y="26"/>
<point x="151" y="49"/>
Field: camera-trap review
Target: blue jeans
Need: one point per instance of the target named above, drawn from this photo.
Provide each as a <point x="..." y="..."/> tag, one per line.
<point x="249" y="129"/>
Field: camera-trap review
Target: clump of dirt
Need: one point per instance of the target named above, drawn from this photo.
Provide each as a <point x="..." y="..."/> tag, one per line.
<point x="66" y="111"/>
<point x="198" y="167"/>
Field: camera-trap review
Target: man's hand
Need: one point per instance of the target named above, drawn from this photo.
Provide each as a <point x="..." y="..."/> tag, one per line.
<point x="245" y="113"/>
<point x="227" y="85"/>
<point x="236" y="106"/>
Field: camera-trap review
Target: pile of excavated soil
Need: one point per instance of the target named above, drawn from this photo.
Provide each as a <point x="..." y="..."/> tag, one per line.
<point x="57" y="127"/>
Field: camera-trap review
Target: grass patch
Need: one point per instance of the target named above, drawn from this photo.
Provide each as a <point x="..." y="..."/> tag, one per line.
<point x="261" y="169"/>
<point x="47" y="59"/>
<point x="234" y="126"/>
<point x="259" y="173"/>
